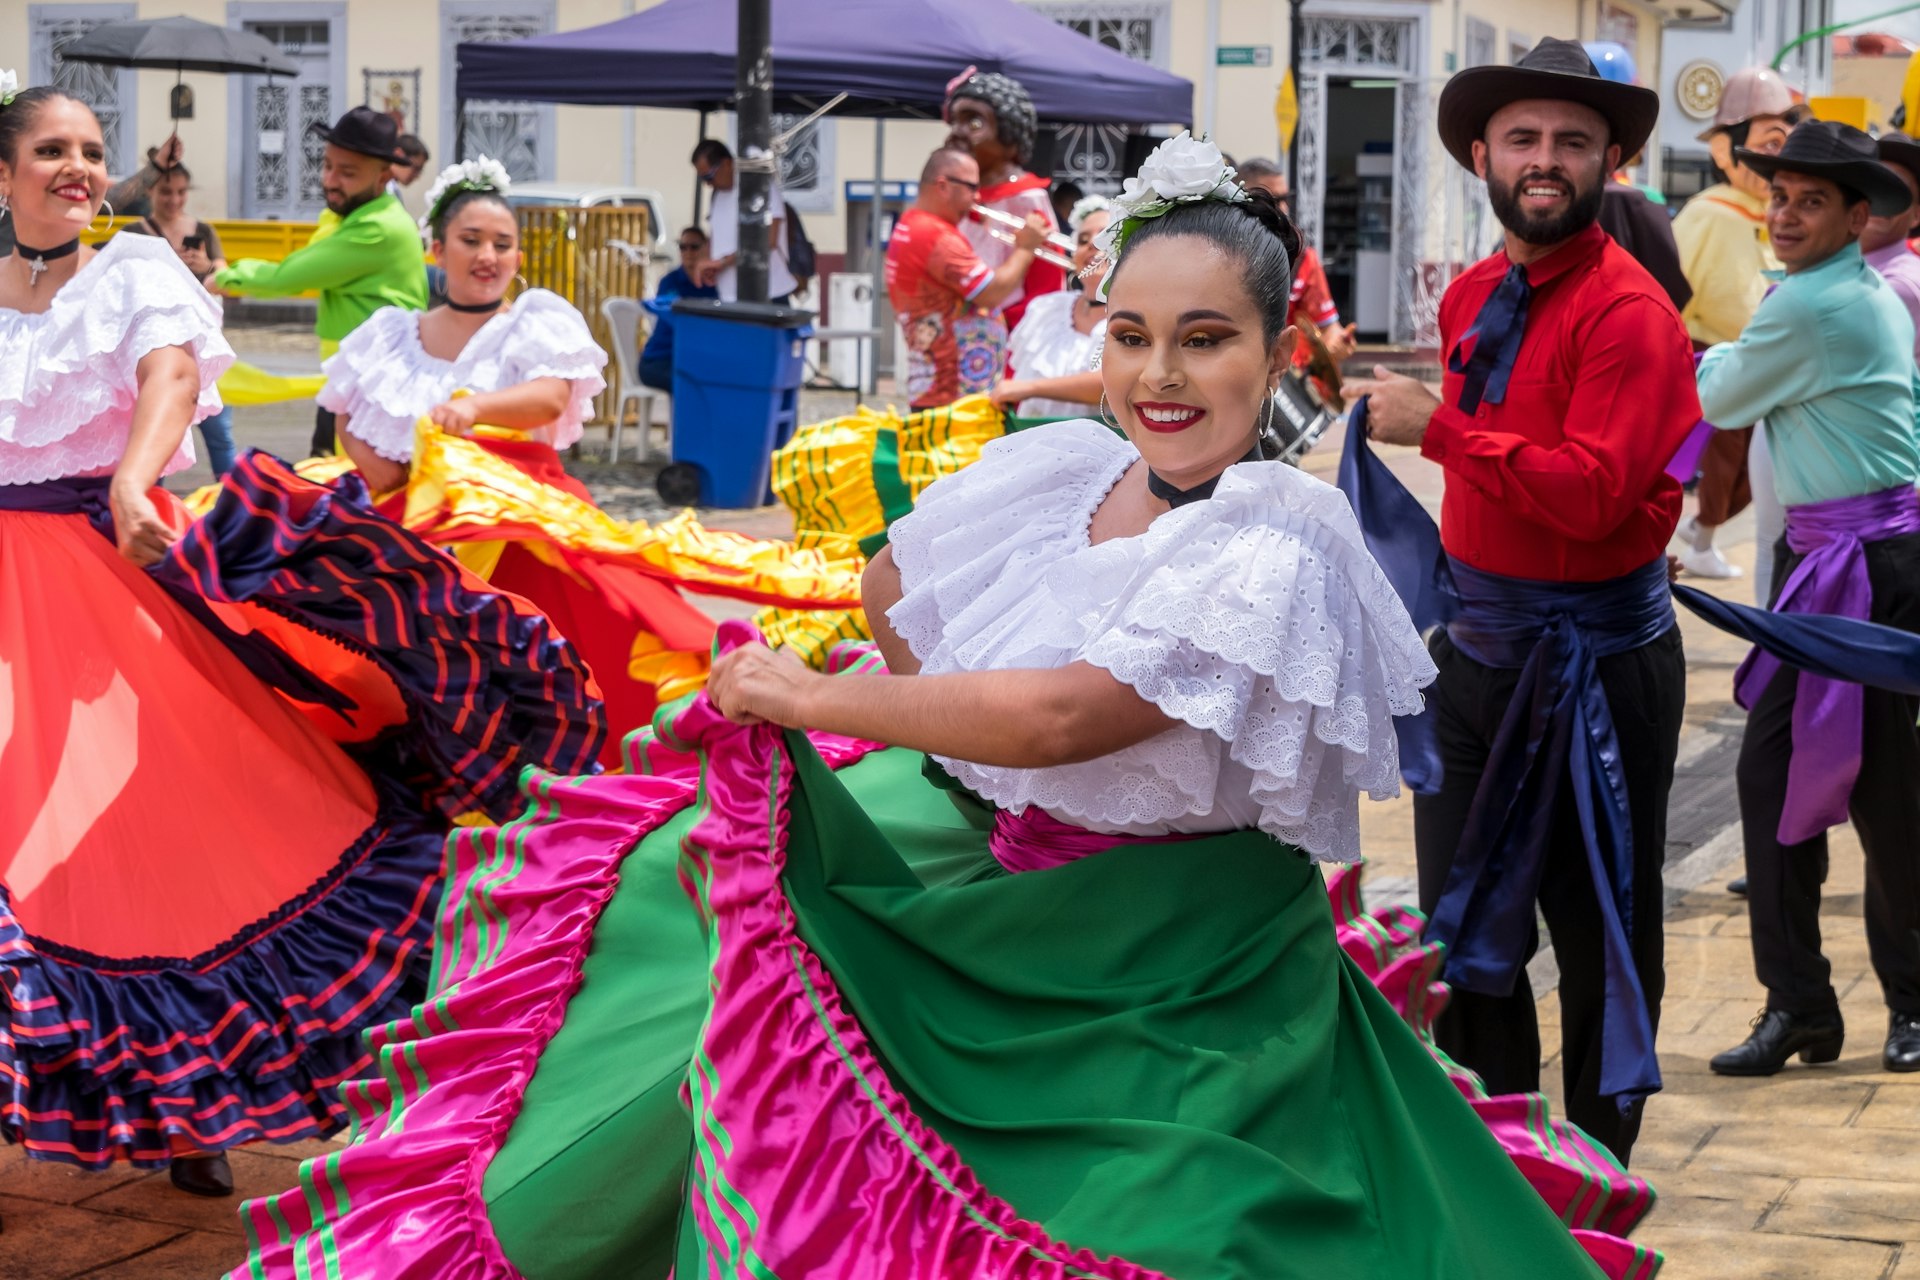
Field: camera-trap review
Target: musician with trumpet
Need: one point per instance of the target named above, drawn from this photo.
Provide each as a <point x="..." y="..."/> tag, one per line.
<point x="954" y="339"/>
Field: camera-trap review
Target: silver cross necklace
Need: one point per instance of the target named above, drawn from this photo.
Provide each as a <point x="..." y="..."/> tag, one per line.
<point x="37" y="259"/>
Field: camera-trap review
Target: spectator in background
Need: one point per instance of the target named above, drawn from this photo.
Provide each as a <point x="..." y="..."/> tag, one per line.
<point x="1644" y="230"/>
<point x="1722" y="235"/>
<point x="1064" y="196"/>
<point x="1050" y="355"/>
<point x="130" y="197"/>
<point x="369" y="259"/>
<point x="1884" y="242"/>
<point x="992" y="119"/>
<point x="407" y="171"/>
<point x="713" y="162"/>
<point x="1313" y="306"/>
<point x="199" y="247"/>
<point x="656" y="360"/>
<point x="944" y="295"/>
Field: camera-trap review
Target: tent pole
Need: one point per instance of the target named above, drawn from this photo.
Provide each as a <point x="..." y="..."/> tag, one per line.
<point x="699" y="137"/>
<point x="874" y="264"/>
<point x="753" y="170"/>
<point x="459" y="129"/>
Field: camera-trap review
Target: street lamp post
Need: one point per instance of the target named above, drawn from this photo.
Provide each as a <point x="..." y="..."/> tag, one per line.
<point x="753" y="169"/>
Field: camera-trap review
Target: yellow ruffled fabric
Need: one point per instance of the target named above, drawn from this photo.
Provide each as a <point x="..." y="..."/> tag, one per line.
<point x="456" y="484"/>
<point x="844" y="477"/>
<point x="245" y="385"/>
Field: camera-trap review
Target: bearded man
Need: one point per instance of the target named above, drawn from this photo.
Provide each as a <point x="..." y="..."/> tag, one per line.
<point x="1557" y="712"/>
<point x="365" y="256"/>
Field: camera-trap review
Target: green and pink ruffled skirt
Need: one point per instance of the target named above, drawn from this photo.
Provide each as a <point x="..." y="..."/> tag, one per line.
<point x="765" y="1006"/>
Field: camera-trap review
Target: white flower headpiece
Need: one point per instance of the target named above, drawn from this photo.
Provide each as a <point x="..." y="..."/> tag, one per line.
<point x="1182" y="170"/>
<point x="482" y="173"/>
<point x="1084" y="208"/>
<point x="9" y="87"/>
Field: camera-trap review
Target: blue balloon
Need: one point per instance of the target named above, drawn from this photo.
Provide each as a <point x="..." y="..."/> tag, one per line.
<point x="1613" y="61"/>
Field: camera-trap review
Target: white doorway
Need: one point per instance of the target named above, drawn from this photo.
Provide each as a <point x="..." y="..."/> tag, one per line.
<point x="279" y="158"/>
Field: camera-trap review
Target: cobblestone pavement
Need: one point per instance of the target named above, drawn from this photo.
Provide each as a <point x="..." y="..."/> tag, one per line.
<point x="1810" y="1175"/>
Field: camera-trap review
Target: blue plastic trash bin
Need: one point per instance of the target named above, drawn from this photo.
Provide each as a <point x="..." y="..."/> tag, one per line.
<point x="737" y="369"/>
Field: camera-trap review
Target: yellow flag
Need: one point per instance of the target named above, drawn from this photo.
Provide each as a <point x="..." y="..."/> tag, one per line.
<point x="1910" y="94"/>
<point x="1286" y="110"/>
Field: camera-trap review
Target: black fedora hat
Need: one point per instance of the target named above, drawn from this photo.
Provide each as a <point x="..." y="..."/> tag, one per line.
<point x="1839" y="153"/>
<point x="1900" y="151"/>
<point x="1555" y="69"/>
<point x="366" y="131"/>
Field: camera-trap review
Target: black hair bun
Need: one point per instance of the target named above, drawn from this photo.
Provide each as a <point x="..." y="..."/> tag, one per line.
<point x="1261" y="204"/>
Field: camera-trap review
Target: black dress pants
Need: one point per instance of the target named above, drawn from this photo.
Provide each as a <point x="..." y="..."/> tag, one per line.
<point x="322" y="443"/>
<point x="1499" y="1036"/>
<point x="1783" y="881"/>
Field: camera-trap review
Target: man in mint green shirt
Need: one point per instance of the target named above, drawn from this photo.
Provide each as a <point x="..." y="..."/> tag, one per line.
<point x="1828" y="362"/>
<point x="368" y="259"/>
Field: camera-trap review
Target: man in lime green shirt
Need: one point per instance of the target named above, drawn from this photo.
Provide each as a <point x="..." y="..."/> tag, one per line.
<point x="370" y="258"/>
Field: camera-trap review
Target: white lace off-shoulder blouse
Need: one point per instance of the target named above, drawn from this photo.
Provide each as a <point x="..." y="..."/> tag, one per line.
<point x="1256" y="618"/>
<point x="384" y="379"/>
<point x="69" y="376"/>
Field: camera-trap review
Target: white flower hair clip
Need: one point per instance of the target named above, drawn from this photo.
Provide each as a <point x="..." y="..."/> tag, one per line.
<point x="482" y="173"/>
<point x="1182" y="170"/>
<point x="1084" y="208"/>
<point x="9" y="87"/>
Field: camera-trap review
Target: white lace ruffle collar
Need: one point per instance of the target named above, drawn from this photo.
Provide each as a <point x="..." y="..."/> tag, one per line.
<point x="1256" y="618"/>
<point x="69" y="375"/>
<point x="386" y="381"/>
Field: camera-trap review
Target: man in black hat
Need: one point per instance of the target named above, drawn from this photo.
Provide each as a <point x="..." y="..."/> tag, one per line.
<point x="1568" y="386"/>
<point x="366" y="254"/>
<point x="1828" y="362"/>
<point x="1885" y="242"/>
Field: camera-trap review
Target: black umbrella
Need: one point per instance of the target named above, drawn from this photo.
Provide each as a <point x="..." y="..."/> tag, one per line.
<point x="180" y="44"/>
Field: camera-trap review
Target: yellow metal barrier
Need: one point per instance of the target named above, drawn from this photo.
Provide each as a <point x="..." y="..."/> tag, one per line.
<point x="239" y="238"/>
<point x="571" y="252"/>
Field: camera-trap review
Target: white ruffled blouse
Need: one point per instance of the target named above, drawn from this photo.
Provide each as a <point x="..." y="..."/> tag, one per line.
<point x="384" y="379"/>
<point x="69" y="375"/>
<point x="1256" y="618"/>
<point x="1046" y="345"/>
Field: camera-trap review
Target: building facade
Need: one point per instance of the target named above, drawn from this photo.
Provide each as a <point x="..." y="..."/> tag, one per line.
<point x="1394" y="218"/>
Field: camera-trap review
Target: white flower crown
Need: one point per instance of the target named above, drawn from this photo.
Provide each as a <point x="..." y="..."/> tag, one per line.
<point x="1182" y="170"/>
<point x="482" y="173"/>
<point x="9" y="87"/>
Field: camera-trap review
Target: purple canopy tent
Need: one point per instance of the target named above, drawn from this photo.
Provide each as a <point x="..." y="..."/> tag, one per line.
<point x="892" y="58"/>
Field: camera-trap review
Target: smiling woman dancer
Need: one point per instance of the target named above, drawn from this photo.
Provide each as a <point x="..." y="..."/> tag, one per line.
<point x="230" y="751"/>
<point x="516" y="380"/>
<point x="1108" y="1031"/>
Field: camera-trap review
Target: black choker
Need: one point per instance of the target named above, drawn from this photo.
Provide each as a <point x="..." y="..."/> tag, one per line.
<point x="470" y="310"/>
<point x="37" y="259"/>
<point x="1177" y="497"/>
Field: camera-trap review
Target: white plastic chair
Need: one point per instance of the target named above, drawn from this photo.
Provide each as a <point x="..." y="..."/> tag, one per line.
<point x="623" y="317"/>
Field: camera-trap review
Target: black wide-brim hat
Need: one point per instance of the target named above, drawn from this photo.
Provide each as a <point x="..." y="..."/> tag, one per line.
<point x="1839" y="153"/>
<point x="1900" y="151"/>
<point x="1555" y="69"/>
<point x="365" y="131"/>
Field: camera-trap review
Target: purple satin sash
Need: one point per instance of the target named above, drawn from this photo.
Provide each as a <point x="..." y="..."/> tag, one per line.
<point x="1832" y="579"/>
<point x="1033" y="840"/>
<point x="71" y="495"/>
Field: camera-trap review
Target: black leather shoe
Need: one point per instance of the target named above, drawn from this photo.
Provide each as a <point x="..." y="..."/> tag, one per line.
<point x="1738" y="886"/>
<point x="202" y="1175"/>
<point x="1903" y="1043"/>
<point x="1777" y="1036"/>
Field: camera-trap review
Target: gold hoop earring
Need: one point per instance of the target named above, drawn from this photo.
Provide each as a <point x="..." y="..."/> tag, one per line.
<point x="1106" y="415"/>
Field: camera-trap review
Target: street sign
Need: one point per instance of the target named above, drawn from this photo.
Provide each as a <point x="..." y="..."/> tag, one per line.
<point x="1243" y="55"/>
<point x="1286" y="110"/>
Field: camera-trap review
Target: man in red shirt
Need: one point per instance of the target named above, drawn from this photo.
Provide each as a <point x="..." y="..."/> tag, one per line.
<point x="992" y="117"/>
<point x="952" y="342"/>
<point x="1557" y="712"/>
